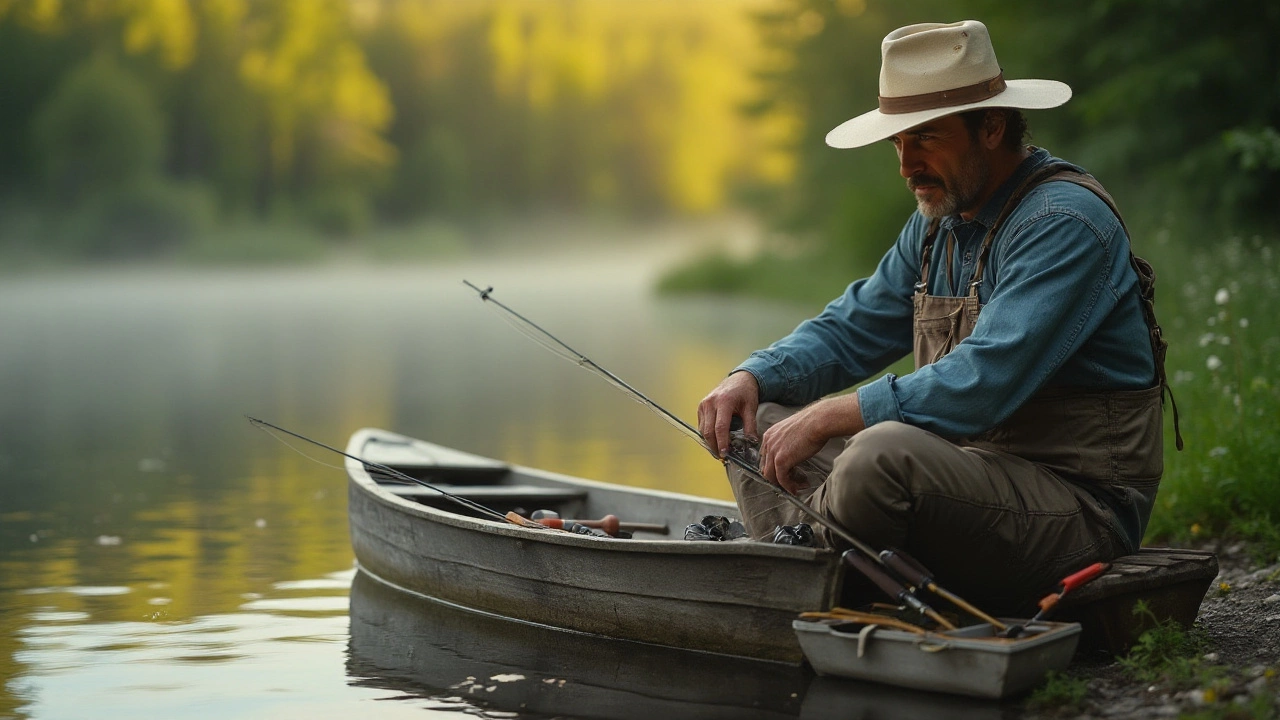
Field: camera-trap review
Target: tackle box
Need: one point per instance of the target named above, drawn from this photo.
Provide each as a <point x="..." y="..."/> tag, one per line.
<point x="970" y="660"/>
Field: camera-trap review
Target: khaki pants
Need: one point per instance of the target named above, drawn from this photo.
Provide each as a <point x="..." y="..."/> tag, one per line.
<point x="993" y="527"/>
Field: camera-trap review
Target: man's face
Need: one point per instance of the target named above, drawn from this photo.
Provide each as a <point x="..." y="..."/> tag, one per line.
<point x="945" y="167"/>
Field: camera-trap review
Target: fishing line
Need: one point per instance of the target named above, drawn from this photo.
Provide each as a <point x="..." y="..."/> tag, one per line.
<point x="296" y="449"/>
<point x="558" y="347"/>
<point x="534" y="332"/>
<point x="389" y="472"/>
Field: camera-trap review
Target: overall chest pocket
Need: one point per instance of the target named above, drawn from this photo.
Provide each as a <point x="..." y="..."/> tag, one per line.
<point x="939" y="324"/>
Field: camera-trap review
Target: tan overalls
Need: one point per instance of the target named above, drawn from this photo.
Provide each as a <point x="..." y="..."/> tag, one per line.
<point x="1003" y="516"/>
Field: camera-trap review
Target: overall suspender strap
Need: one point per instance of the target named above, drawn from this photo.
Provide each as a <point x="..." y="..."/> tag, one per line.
<point x="930" y="234"/>
<point x="1146" y="274"/>
<point x="1146" y="289"/>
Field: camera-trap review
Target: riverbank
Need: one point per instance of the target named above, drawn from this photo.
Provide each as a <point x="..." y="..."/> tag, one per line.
<point x="1228" y="666"/>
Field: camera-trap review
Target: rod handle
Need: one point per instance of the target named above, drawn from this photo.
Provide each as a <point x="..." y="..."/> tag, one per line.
<point x="907" y="568"/>
<point x="611" y="524"/>
<point x="891" y="587"/>
<point x="1075" y="580"/>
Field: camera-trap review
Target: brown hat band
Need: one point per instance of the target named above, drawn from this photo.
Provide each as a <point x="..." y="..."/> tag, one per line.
<point x="945" y="98"/>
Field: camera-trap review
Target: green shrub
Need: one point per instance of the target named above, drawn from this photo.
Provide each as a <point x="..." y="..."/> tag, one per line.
<point x="1060" y="692"/>
<point x="101" y="129"/>
<point x="1165" y="652"/>
<point x="142" y="219"/>
<point x="339" y="213"/>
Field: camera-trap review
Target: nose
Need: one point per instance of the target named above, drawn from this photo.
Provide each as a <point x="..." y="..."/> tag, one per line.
<point x="909" y="162"/>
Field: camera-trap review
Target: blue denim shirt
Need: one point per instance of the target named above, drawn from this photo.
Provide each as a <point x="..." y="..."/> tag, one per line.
<point x="1060" y="308"/>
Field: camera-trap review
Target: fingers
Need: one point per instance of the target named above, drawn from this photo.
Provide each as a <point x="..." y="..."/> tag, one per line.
<point x="749" y="417"/>
<point x="776" y="463"/>
<point x="783" y="447"/>
<point x="708" y="413"/>
<point x="735" y="395"/>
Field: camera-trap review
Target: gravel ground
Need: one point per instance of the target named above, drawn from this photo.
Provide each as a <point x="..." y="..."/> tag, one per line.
<point x="1242" y="624"/>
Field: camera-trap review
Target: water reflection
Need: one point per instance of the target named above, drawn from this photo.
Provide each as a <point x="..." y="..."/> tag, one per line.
<point x="274" y="656"/>
<point x="432" y="651"/>
<point x="138" y="510"/>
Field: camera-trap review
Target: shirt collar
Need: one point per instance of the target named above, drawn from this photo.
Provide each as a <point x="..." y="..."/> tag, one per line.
<point x="990" y="210"/>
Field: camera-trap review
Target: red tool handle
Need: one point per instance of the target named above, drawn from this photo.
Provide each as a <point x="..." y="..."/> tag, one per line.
<point x="1075" y="580"/>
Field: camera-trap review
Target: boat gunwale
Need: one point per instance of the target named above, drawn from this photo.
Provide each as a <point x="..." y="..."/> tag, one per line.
<point x="359" y="477"/>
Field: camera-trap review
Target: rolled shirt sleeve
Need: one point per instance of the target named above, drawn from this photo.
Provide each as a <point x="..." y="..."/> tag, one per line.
<point x="856" y="335"/>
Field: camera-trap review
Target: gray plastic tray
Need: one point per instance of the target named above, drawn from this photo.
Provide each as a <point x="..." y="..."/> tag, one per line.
<point x="968" y="661"/>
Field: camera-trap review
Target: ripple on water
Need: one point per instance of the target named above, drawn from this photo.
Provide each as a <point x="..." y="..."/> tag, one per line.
<point x="80" y="590"/>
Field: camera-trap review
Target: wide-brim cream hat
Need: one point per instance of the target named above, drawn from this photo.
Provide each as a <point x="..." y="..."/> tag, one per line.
<point x="934" y="69"/>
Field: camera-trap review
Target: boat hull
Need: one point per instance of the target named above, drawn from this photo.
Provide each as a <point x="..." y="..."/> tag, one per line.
<point x="735" y="598"/>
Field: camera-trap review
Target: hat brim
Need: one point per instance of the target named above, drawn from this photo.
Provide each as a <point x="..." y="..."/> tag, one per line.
<point x="875" y="125"/>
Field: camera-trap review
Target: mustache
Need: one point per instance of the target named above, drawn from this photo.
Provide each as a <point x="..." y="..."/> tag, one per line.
<point x="916" y="181"/>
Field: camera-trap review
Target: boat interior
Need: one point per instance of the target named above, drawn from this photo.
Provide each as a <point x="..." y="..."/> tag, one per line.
<point x="497" y="487"/>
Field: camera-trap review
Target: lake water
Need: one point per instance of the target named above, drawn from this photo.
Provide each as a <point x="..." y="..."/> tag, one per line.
<point x="159" y="558"/>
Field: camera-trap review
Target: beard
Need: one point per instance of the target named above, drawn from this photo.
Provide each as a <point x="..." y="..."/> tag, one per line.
<point x="961" y="192"/>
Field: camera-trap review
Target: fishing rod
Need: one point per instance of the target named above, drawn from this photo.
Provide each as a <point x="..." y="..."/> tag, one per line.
<point x="557" y="346"/>
<point x="513" y="518"/>
<point x="542" y="337"/>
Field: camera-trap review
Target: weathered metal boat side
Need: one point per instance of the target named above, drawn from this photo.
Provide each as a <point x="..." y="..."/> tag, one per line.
<point x="725" y="597"/>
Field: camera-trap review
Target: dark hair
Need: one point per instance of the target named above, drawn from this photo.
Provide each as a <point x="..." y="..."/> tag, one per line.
<point x="1015" y="125"/>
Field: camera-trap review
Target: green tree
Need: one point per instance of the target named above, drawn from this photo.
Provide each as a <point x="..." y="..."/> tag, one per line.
<point x="824" y="70"/>
<point x="1180" y="98"/>
<point x="101" y="129"/>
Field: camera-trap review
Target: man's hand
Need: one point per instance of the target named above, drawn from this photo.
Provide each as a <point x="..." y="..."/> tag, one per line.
<point x="738" y="394"/>
<point x="799" y="437"/>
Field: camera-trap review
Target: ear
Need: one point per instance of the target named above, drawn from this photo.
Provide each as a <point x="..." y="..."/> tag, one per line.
<point x="993" y="125"/>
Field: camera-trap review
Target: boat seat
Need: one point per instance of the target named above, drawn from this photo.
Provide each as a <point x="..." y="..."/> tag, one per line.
<point x="533" y="495"/>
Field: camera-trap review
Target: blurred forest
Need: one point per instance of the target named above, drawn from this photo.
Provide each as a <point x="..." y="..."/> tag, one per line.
<point x="1176" y="108"/>
<point x="130" y="127"/>
<point x="164" y="128"/>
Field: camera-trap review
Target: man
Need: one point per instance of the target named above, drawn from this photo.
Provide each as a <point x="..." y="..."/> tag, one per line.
<point x="1027" y="444"/>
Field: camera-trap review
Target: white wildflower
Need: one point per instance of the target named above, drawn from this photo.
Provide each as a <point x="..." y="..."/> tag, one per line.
<point x="1183" y="376"/>
<point x="1224" y="340"/>
<point x="1211" y="321"/>
<point x="1214" y="363"/>
<point x="1222" y="297"/>
<point x="1244" y="322"/>
<point x="1218" y="451"/>
<point x="1207" y="338"/>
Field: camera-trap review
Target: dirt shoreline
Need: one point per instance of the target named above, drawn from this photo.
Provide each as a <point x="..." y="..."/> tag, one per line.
<point x="1240" y="617"/>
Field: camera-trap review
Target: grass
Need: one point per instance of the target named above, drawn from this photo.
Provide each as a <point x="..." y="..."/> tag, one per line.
<point x="1218" y="302"/>
<point x="1060" y="692"/>
<point x="1219" y="309"/>
<point x="1259" y="707"/>
<point x="1164" y="652"/>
